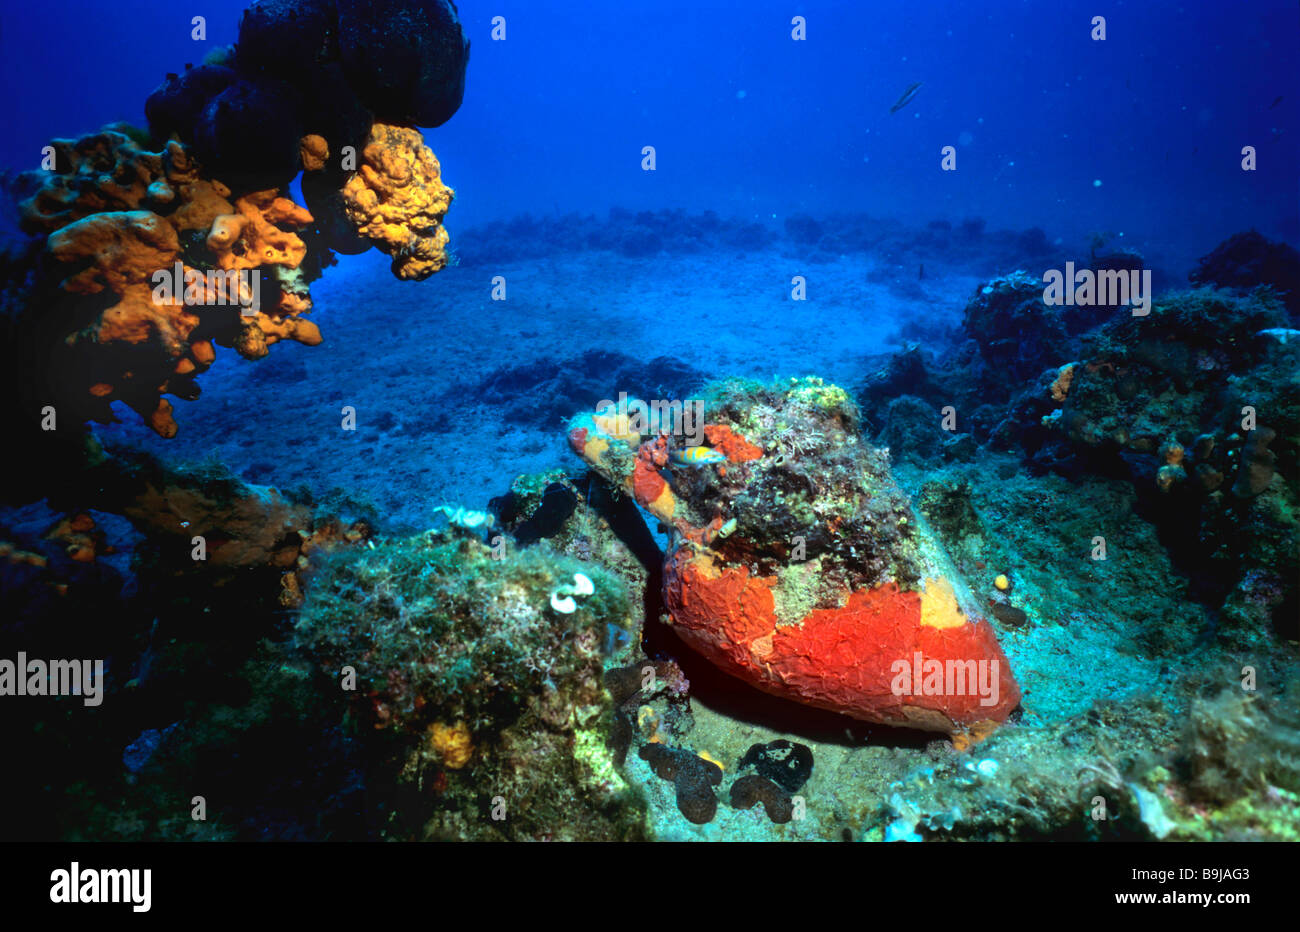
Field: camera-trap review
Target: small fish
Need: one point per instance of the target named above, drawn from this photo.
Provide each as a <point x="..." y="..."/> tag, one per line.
<point x="920" y="272"/>
<point x="696" y="456"/>
<point x="906" y="98"/>
<point x="1276" y="100"/>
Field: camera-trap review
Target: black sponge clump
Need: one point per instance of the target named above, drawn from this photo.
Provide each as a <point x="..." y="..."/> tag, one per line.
<point x="752" y="789"/>
<point x="693" y="777"/>
<point x="287" y="37"/>
<point x="405" y="58"/>
<point x="178" y="103"/>
<point x="1009" y="615"/>
<point x="322" y="67"/>
<point x="331" y="109"/>
<point x="324" y="200"/>
<point x="785" y="763"/>
<point x="249" y="135"/>
<point x="297" y="41"/>
<point x="547" y="520"/>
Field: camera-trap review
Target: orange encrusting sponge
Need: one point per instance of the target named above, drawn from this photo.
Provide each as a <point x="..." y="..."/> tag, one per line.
<point x="886" y="656"/>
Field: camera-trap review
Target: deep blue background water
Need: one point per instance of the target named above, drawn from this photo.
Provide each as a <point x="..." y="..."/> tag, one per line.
<point x="750" y="123"/>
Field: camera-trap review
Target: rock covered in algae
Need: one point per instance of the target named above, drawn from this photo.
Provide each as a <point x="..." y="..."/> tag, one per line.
<point x="494" y="699"/>
<point x="1202" y="402"/>
<point x="797" y="565"/>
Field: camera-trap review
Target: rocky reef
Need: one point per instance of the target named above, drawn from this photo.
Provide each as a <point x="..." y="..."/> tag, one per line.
<point x="1194" y="403"/>
<point x="144" y="251"/>
<point x="792" y="612"/>
<point x="797" y="565"/>
<point x="485" y="672"/>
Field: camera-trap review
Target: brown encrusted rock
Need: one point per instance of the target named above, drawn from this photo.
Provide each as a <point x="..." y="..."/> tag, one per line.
<point x="692" y="776"/>
<point x="752" y="789"/>
<point x="1257" y="462"/>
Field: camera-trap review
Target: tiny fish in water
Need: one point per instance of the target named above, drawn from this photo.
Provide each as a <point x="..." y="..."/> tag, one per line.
<point x="920" y="272"/>
<point x="696" y="456"/>
<point x="906" y="98"/>
<point x="1276" y="100"/>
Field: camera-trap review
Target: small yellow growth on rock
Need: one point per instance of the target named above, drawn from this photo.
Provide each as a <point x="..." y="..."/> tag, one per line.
<point x="962" y="740"/>
<point x="1002" y="583"/>
<point x="939" y="607"/>
<point x="1061" y="387"/>
<point x="314" y="151"/>
<point x="594" y="449"/>
<point x="647" y="722"/>
<point x="1169" y="475"/>
<point x="397" y="200"/>
<point x="618" y="427"/>
<point x="663" y="505"/>
<point x="705" y="755"/>
<point x="451" y="743"/>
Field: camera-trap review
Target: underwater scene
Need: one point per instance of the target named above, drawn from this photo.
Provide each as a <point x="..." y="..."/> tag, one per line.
<point x="691" y="421"/>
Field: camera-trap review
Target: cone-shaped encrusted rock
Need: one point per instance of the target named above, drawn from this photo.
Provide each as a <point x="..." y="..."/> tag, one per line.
<point x="796" y="563"/>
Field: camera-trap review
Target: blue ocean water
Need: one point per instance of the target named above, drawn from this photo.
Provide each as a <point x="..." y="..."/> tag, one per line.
<point x="1140" y="133"/>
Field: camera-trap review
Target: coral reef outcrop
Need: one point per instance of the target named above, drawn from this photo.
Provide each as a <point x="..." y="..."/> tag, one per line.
<point x="1247" y="260"/>
<point x="120" y="221"/>
<point x="210" y="196"/>
<point x="797" y="565"/>
<point x="1193" y="401"/>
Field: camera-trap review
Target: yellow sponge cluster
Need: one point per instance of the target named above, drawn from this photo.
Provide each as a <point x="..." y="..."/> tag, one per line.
<point x="451" y="744"/>
<point x="397" y="201"/>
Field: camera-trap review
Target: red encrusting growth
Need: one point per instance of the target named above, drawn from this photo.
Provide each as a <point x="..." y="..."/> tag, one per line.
<point x="843" y="659"/>
<point x="578" y="439"/>
<point x="730" y="444"/>
<point x="647" y="484"/>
